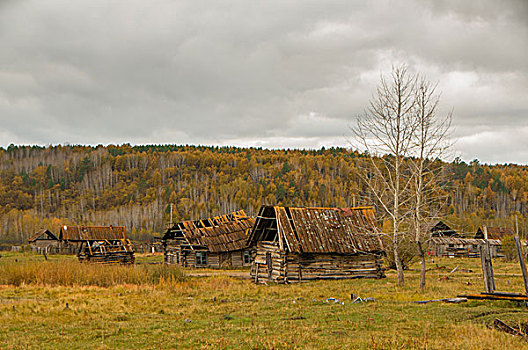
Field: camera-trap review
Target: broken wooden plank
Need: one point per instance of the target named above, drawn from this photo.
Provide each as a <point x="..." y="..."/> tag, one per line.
<point x="503" y="327"/>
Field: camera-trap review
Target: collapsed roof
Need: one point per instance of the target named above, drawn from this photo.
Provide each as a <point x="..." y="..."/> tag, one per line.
<point x="219" y="234"/>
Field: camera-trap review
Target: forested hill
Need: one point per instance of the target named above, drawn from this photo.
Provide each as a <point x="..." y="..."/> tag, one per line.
<point x="133" y="186"/>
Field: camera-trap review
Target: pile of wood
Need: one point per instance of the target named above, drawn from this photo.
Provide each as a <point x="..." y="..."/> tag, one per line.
<point x="107" y="252"/>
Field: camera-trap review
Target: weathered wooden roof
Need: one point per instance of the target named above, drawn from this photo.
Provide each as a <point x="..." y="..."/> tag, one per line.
<point x="464" y="241"/>
<point x="92" y="233"/>
<point x="442" y="229"/>
<point x="219" y="234"/>
<point x="43" y="234"/>
<point x="318" y="230"/>
<point x="494" y="232"/>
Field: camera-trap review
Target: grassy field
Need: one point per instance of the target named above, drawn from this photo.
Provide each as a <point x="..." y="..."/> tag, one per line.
<point x="60" y="304"/>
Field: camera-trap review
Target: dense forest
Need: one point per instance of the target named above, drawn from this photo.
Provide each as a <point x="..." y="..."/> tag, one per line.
<point x="135" y="185"/>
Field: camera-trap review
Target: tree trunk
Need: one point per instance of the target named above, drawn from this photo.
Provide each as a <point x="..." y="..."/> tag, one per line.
<point x="422" y="265"/>
<point x="399" y="266"/>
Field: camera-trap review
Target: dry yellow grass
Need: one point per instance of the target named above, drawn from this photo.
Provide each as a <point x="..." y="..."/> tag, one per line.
<point x="69" y="272"/>
<point x="221" y="312"/>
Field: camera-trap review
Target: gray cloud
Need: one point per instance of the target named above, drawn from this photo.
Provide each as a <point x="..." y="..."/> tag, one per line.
<point x="272" y="74"/>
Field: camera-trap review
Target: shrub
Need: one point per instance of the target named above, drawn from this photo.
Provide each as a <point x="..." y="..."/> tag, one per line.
<point x="408" y="252"/>
<point x="508" y="248"/>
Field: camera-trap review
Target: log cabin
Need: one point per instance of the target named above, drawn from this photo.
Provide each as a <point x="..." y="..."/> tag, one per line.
<point x="216" y="242"/>
<point x="297" y="244"/>
<point x="44" y="241"/>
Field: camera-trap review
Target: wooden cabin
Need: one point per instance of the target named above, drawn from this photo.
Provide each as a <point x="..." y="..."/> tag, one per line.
<point x="485" y="232"/>
<point x="296" y="244"/>
<point x="44" y="241"/>
<point x="100" y="244"/>
<point x="218" y="242"/>
<point x="454" y="247"/>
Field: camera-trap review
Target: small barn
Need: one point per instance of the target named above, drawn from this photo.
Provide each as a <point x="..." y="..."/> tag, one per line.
<point x="99" y="244"/>
<point x="218" y="242"/>
<point x="296" y="244"/>
<point x="455" y="247"/>
<point x="485" y="232"/>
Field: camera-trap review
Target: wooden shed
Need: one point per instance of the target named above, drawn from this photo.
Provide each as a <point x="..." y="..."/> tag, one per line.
<point x="100" y="244"/>
<point x="295" y="244"/>
<point x="43" y="241"/>
<point x="218" y="242"/>
<point x="455" y="247"/>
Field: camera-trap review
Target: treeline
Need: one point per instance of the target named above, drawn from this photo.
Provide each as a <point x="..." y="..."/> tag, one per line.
<point x="135" y="185"/>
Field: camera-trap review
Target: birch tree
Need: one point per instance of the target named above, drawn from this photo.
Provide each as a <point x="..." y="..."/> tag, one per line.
<point x="431" y="142"/>
<point x="386" y="129"/>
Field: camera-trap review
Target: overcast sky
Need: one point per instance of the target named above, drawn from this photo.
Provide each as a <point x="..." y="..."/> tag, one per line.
<point x="256" y="73"/>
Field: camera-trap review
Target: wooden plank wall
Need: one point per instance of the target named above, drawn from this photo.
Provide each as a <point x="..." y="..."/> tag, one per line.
<point x="259" y="269"/>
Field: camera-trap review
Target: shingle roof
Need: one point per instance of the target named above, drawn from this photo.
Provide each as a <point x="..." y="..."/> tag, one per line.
<point x="495" y="232"/>
<point x="219" y="234"/>
<point x="92" y="233"/>
<point x="319" y="230"/>
<point x="39" y="234"/>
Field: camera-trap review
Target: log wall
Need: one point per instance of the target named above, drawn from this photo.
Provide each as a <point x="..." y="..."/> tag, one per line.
<point x="176" y="252"/>
<point x="123" y="258"/>
<point x="462" y="251"/>
<point x="50" y="247"/>
<point x="271" y="264"/>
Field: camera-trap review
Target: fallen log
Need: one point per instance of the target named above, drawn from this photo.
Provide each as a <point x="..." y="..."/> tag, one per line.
<point x="494" y="296"/>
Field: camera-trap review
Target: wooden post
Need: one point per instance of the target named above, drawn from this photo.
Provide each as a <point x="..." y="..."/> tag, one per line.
<point x="487" y="268"/>
<point x="484" y="269"/>
<point x="519" y="253"/>
<point x="490" y="266"/>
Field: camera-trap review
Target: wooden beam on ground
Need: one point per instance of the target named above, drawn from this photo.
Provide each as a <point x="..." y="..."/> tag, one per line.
<point x="493" y="296"/>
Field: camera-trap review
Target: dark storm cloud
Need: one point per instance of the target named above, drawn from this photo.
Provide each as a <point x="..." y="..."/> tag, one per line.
<point x="272" y="74"/>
